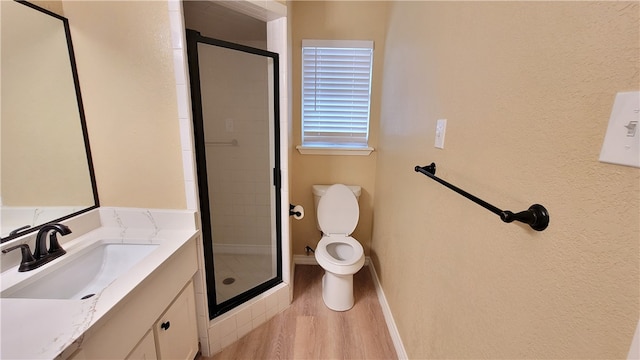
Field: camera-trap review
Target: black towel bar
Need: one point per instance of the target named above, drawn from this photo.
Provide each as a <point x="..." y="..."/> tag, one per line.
<point x="536" y="216"/>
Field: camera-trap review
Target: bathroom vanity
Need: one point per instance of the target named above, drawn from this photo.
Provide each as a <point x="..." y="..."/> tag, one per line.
<point x="146" y="312"/>
<point x="125" y="286"/>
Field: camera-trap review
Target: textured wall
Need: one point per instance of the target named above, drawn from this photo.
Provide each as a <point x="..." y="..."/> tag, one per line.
<point x="335" y="20"/>
<point x="527" y="88"/>
<point x="125" y="64"/>
<point x="54" y="6"/>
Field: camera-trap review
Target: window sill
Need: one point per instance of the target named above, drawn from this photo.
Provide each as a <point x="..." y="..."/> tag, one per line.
<point x="312" y="150"/>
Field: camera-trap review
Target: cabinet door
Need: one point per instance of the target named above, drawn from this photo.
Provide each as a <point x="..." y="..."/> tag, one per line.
<point x="176" y="332"/>
<point x="145" y="350"/>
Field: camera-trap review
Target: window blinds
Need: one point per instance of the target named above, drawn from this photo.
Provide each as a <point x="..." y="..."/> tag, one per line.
<point x="336" y="92"/>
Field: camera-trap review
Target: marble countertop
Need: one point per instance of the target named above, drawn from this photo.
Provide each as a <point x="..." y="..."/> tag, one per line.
<point x="53" y="328"/>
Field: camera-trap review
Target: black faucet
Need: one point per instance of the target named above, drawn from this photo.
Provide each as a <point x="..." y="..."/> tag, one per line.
<point x="54" y="247"/>
<point x="40" y="254"/>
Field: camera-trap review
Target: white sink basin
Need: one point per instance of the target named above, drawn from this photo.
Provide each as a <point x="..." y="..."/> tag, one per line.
<point x="85" y="274"/>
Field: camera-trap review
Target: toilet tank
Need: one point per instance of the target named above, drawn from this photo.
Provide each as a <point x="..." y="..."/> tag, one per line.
<point x="319" y="190"/>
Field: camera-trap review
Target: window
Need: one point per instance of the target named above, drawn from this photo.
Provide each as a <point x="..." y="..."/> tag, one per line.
<point x="336" y="94"/>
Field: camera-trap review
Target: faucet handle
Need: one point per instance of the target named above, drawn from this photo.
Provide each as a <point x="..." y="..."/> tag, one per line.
<point x="54" y="245"/>
<point x="27" y="257"/>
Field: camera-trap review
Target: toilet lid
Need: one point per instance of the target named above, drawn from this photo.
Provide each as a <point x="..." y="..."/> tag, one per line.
<point x="338" y="211"/>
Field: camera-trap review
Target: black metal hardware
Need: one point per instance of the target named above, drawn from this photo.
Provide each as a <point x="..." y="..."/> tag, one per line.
<point x="277" y="178"/>
<point x="16" y="231"/>
<point x="27" y="259"/>
<point x="291" y="212"/>
<point x="40" y="250"/>
<point x="54" y="245"/>
<point x="536" y="216"/>
<point x="165" y="325"/>
<point x="40" y="254"/>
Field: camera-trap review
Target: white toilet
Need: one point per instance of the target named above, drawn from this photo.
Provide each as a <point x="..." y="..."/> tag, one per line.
<point x="337" y="253"/>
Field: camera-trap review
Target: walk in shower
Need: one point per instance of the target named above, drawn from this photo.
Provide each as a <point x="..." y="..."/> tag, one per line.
<point x="234" y="91"/>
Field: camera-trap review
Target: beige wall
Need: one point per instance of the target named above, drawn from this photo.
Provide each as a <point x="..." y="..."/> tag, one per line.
<point x="125" y="64"/>
<point x="219" y="22"/>
<point x="527" y="89"/>
<point x="54" y="6"/>
<point x="340" y="20"/>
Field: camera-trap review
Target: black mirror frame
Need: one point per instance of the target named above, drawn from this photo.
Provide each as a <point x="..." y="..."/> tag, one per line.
<point x="83" y="124"/>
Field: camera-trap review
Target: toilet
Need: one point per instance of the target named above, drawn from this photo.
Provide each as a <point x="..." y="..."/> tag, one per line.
<point x="337" y="253"/>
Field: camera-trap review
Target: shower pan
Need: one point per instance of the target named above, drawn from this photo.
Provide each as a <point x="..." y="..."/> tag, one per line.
<point x="234" y="95"/>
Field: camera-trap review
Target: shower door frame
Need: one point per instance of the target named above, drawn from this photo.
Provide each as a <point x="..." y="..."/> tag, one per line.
<point x="193" y="38"/>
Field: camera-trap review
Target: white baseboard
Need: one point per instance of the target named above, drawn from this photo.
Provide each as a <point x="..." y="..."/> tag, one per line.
<point x="304" y="260"/>
<point x="388" y="317"/>
<point x="311" y="260"/>
<point x="386" y="310"/>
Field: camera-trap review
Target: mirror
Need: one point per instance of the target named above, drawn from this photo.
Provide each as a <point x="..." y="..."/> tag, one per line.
<point x="46" y="172"/>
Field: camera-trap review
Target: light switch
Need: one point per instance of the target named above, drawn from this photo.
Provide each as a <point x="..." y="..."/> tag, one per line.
<point x="441" y="127"/>
<point x="622" y="141"/>
<point x="228" y="125"/>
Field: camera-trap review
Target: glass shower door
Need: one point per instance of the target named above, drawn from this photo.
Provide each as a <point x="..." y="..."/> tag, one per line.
<point x="234" y="94"/>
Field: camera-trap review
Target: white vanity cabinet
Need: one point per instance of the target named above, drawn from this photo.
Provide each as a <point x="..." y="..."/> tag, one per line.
<point x="176" y="332"/>
<point x="155" y="321"/>
<point x="174" y="335"/>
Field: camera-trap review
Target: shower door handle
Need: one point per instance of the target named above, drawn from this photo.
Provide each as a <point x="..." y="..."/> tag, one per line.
<point x="277" y="180"/>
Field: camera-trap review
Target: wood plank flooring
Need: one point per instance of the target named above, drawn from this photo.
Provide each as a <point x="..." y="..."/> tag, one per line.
<point x="309" y="330"/>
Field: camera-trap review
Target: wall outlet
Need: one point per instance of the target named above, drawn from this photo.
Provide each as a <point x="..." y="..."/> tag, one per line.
<point x="622" y="141"/>
<point x="441" y="127"/>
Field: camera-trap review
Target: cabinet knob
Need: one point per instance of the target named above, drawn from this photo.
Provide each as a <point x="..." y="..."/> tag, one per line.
<point x="165" y="325"/>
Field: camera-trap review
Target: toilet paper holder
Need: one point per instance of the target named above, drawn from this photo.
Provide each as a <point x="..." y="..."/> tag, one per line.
<point x="293" y="213"/>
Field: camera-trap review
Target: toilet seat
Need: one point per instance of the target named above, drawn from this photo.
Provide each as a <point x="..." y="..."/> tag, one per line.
<point x="341" y="265"/>
<point x="338" y="211"/>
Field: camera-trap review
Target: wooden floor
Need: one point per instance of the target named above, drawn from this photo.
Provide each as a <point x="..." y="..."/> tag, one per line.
<point x="309" y="330"/>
